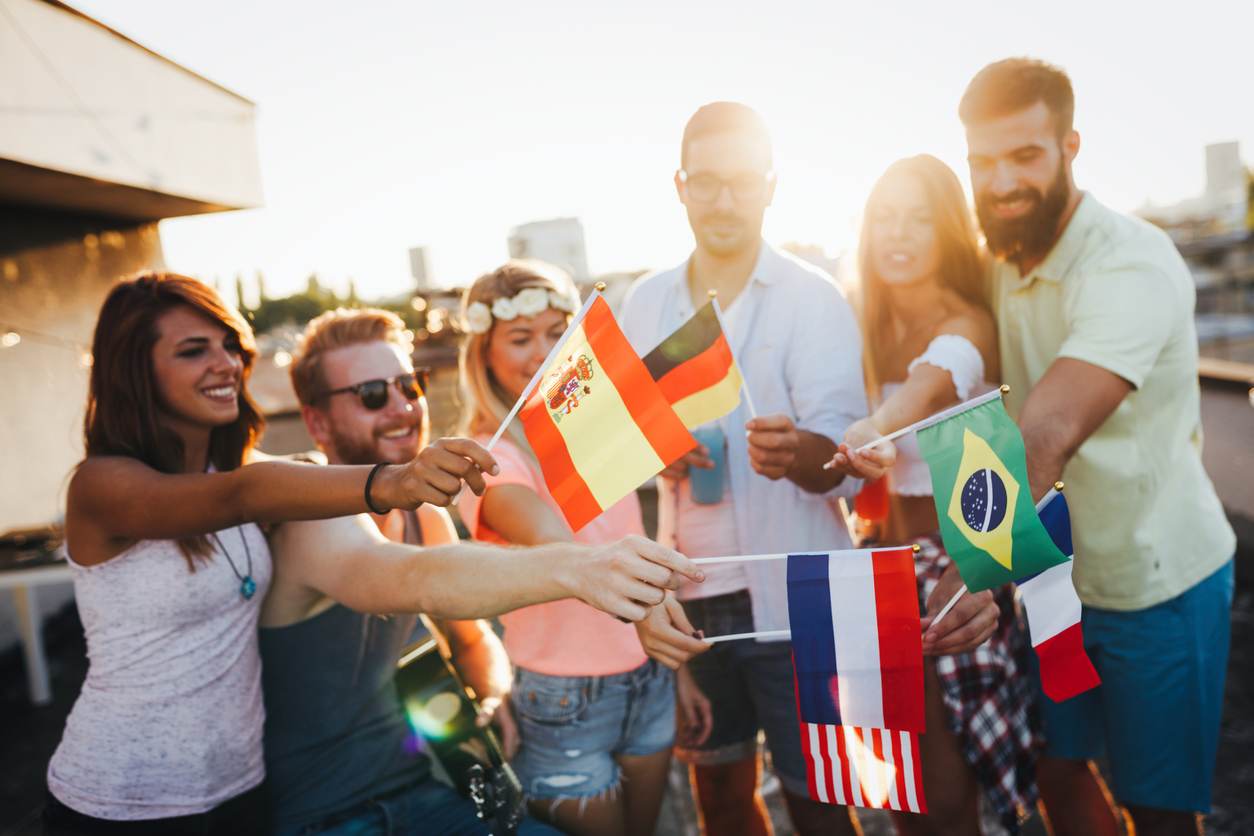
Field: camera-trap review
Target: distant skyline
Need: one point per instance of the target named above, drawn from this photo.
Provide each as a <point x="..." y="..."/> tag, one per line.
<point x="388" y="125"/>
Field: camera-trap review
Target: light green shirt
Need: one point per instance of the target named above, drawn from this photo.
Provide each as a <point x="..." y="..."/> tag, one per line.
<point x="1145" y="520"/>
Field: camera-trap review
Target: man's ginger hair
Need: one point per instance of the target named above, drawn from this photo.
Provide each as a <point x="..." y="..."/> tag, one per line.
<point x="338" y="329"/>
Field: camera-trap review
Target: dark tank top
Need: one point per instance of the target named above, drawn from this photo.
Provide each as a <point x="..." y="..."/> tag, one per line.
<point x="335" y="732"/>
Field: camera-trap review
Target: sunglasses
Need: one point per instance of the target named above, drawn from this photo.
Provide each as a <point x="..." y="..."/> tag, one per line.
<point x="373" y="394"/>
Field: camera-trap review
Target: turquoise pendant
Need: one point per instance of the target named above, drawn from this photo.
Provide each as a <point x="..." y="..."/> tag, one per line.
<point x="248" y="589"/>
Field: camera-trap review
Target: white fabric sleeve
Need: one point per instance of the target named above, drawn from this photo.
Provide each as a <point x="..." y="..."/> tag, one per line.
<point x="956" y="355"/>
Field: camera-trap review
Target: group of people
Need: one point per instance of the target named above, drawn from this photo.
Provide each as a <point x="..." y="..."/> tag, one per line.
<point x="245" y="615"/>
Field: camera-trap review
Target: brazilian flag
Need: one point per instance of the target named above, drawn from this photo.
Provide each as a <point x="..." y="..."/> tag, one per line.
<point x="980" y="484"/>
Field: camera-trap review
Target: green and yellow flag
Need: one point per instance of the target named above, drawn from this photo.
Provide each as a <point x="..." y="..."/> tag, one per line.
<point x="980" y="484"/>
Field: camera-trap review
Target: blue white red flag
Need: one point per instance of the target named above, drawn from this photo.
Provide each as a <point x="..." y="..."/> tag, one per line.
<point x="1054" y="613"/>
<point x="863" y="767"/>
<point x="857" y="646"/>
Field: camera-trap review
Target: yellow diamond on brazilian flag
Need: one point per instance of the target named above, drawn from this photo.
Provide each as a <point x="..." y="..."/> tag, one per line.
<point x="980" y="485"/>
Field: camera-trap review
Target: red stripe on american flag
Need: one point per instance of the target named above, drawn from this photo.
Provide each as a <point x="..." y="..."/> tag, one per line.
<point x="698" y="373"/>
<point x="561" y="476"/>
<point x="901" y="642"/>
<point x="640" y="394"/>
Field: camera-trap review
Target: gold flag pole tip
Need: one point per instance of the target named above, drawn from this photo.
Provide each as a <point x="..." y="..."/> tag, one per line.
<point x="1058" y="487"/>
<point x="916" y="548"/>
<point x="1005" y="389"/>
<point x="600" y="287"/>
<point x="713" y="294"/>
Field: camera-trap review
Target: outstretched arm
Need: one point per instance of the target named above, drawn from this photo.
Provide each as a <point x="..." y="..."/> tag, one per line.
<point x="347" y="559"/>
<point x="1066" y="406"/>
<point x="114" y="500"/>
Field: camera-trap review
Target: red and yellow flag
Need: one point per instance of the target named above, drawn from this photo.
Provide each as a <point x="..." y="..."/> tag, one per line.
<point x="597" y="421"/>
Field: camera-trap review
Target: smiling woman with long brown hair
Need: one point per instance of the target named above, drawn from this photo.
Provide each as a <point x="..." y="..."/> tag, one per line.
<point x="170" y="566"/>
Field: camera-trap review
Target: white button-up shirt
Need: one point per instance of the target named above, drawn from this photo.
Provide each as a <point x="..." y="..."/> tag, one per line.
<point x="800" y="353"/>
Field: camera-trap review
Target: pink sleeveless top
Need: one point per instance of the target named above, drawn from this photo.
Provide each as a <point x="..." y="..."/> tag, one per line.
<point x="169" y="721"/>
<point x="561" y="638"/>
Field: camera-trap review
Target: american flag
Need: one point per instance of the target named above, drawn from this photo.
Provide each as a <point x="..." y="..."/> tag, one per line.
<point x="864" y="767"/>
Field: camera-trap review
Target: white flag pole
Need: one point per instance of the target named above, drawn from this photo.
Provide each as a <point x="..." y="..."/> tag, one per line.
<point x="744" y="384"/>
<point x="938" y="417"/>
<point x="758" y="635"/>
<point x="535" y="380"/>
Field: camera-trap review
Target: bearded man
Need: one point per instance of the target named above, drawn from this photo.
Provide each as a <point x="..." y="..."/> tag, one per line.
<point x="1098" y="346"/>
<point x="340" y="758"/>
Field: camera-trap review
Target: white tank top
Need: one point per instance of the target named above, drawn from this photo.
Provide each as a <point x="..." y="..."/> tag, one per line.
<point x="169" y="721"/>
<point x="957" y="355"/>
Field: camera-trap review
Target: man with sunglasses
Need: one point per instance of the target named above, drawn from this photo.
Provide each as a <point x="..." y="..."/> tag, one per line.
<point x="339" y="756"/>
<point x="795" y="338"/>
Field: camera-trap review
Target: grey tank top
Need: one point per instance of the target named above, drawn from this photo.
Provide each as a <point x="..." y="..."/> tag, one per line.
<point x="335" y="731"/>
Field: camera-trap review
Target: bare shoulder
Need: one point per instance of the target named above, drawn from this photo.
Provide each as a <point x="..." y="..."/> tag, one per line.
<point x="974" y="322"/>
<point x="309" y="541"/>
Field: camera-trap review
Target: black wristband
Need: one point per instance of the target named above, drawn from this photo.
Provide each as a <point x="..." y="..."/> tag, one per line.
<point x="369" y="482"/>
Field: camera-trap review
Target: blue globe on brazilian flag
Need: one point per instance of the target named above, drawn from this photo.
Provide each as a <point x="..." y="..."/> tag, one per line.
<point x="980" y="484"/>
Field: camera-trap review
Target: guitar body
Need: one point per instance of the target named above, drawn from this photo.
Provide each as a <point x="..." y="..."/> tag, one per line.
<point x="440" y="708"/>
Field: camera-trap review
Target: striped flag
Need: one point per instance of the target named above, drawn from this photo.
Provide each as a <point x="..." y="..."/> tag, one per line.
<point x="597" y="422"/>
<point x="857" y="645"/>
<point x="863" y="767"/>
<point x="1054" y="613"/>
<point x="695" y="370"/>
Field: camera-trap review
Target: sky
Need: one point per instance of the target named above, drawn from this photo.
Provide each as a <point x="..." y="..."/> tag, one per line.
<point x="384" y="125"/>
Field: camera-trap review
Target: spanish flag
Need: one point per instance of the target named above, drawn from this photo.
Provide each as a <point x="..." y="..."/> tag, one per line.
<point x="695" y="370"/>
<point x="980" y="485"/>
<point x="597" y="421"/>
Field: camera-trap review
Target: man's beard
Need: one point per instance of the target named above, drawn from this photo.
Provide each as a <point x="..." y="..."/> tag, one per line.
<point x="740" y="240"/>
<point x="351" y="450"/>
<point x="1031" y="234"/>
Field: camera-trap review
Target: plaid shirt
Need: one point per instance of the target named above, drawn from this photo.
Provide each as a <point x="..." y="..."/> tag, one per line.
<point x="989" y="698"/>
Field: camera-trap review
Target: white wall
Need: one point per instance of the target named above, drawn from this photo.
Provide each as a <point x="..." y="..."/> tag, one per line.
<point x="76" y="97"/>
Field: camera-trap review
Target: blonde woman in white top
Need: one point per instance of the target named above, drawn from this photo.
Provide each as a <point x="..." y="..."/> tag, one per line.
<point x="931" y="342"/>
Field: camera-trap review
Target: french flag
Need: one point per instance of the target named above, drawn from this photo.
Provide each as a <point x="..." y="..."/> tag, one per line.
<point x="857" y="646"/>
<point x="1054" y="612"/>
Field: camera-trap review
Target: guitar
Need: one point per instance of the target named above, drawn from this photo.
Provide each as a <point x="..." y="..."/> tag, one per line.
<point x="442" y="710"/>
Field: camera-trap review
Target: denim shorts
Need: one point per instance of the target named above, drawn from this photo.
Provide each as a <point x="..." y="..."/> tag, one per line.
<point x="1156" y="714"/>
<point x="751" y="686"/>
<point x="572" y="727"/>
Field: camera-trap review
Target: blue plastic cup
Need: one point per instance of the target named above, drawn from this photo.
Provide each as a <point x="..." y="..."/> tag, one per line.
<point x="707" y="485"/>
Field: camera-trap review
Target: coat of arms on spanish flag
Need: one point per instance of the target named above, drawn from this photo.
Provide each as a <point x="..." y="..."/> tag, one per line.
<point x="597" y="421"/>
<point x="695" y="370"/>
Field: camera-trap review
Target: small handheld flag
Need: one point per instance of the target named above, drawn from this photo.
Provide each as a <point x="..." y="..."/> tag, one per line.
<point x="864" y="767"/>
<point x="1054" y="613"/>
<point x="857" y="647"/>
<point x="980" y="486"/>
<point x="695" y="369"/>
<point x="597" y="421"/>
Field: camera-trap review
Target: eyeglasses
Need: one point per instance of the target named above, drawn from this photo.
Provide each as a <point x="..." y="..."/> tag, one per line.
<point x="705" y="188"/>
<point x="373" y="394"/>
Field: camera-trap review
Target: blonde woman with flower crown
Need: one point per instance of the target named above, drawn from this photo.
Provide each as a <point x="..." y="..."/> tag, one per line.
<point x="596" y="716"/>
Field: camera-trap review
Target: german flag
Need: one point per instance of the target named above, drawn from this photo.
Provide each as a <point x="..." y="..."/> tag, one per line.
<point x="597" y="421"/>
<point x="695" y="370"/>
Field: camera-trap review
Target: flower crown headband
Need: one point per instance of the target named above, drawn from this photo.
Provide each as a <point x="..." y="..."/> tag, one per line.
<point x="529" y="302"/>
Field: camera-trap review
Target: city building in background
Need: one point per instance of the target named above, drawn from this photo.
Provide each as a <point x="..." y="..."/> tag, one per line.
<point x="420" y="268"/>
<point x="559" y="241"/>
<point x="100" y="138"/>
<point x="1215" y="234"/>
